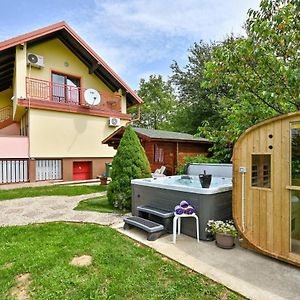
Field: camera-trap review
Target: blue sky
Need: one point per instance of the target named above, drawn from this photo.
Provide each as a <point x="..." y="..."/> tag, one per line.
<point x="135" y="37"/>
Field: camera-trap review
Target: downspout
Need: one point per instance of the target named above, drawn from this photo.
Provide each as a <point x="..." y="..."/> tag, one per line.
<point x="243" y="171"/>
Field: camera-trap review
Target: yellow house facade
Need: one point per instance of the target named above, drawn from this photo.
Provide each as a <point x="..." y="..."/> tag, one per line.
<point x="58" y="100"/>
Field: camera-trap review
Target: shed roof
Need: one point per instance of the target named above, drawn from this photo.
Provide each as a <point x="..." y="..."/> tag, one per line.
<point x="154" y="135"/>
<point x="167" y="135"/>
<point x="80" y="48"/>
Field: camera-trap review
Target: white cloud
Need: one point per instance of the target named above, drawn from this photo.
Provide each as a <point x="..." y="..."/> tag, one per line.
<point x="132" y="35"/>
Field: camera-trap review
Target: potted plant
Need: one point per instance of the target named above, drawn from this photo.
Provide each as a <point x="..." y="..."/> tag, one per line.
<point x="103" y="179"/>
<point x="224" y="232"/>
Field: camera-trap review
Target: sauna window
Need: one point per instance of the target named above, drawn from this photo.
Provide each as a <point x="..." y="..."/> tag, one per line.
<point x="295" y="140"/>
<point x="261" y="170"/>
<point x="158" y="154"/>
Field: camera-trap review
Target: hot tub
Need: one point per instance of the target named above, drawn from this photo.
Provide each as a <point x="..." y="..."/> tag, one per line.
<point x="167" y="192"/>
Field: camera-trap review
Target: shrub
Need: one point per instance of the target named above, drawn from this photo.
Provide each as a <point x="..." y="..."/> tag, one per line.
<point x="181" y="169"/>
<point x="130" y="162"/>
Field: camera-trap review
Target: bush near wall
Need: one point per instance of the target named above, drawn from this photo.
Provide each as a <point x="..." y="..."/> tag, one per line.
<point x="130" y="162"/>
<point x="181" y="169"/>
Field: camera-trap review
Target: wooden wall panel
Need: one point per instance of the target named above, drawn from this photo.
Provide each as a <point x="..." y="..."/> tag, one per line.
<point x="267" y="210"/>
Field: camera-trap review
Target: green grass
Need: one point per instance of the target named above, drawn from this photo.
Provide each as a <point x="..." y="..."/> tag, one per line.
<point x="121" y="269"/>
<point x="53" y="190"/>
<point x="99" y="204"/>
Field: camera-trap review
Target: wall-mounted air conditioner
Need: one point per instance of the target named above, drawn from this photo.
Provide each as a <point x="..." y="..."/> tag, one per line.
<point x="114" y="122"/>
<point x="35" y="60"/>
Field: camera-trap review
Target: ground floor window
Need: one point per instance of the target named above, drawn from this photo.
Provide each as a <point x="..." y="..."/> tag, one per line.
<point x="47" y="169"/>
<point x="13" y="170"/>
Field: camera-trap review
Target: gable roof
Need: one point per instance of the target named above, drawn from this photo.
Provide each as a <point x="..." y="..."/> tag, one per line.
<point x="167" y="135"/>
<point x="80" y="48"/>
<point x="154" y="135"/>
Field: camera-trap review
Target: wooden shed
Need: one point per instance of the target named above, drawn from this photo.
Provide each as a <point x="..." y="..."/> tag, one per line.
<point x="164" y="148"/>
<point x="266" y="187"/>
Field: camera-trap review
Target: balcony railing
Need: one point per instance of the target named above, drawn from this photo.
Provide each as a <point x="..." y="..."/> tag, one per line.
<point x="37" y="89"/>
<point x="5" y="113"/>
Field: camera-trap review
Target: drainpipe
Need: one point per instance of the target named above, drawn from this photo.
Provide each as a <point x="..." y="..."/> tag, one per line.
<point x="243" y="171"/>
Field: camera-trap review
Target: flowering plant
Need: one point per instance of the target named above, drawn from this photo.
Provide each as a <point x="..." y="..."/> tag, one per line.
<point x="226" y="227"/>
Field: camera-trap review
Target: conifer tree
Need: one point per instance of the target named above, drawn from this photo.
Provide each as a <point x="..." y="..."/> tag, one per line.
<point x="130" y="162"/>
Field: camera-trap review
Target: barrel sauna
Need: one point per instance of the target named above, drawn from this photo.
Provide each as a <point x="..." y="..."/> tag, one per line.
<point x="266" y="187"/>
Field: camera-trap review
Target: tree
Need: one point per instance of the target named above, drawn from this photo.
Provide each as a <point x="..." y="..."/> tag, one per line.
<point x="260" y="73"/>
<point x="159" y="103"/>
<point x="194" y="105"/>
<point x="130" y="162"/>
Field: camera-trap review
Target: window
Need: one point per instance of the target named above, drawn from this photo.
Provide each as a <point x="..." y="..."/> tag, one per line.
<point x="65" y="89"/>
<point x="261" y="170"/>
<point x="158" y="154"/>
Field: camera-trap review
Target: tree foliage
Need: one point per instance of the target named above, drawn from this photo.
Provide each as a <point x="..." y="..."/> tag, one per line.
<point x="130" y="162"/>
<point x="260" y="73"/>
<point x="194" y="105"/>
<point x="159" y="103"/>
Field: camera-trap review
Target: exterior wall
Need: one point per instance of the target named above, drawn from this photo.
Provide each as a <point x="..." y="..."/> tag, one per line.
<point x="169" y="156"/>
<point x="5" y="98"/>
<point x="266" y="210"/>
<point x="57" y="57"/>
<point x="189" y="149"/>
<point x="98" y="166"/>
<point x="170" y="149"/>
<point x="13" y="147"/>
<point x="59" y="134"/>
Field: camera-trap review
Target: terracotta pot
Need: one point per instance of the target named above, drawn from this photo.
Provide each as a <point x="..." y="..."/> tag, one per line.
<point x="103" y="180"/>
<point x="205" y="180"/>
<point x="225" y="241"/>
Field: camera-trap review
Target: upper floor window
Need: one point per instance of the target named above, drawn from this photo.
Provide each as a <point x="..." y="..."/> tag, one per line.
<point x="65" y="88"/>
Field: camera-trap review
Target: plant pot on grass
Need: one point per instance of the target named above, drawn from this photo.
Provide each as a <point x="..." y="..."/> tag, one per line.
<point x="103" y="180"/>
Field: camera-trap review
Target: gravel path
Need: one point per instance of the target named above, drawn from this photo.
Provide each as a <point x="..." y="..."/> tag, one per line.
<point x="44" y="209"/>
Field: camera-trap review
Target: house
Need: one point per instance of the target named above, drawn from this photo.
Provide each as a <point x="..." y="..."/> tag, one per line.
<point x="164" y="147"/>
<point x="58" y="100"/>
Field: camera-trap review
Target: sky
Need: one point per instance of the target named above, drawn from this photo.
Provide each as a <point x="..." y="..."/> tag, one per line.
<point x="136" y="38"/>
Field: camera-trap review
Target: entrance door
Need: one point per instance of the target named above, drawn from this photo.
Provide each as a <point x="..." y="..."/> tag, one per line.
<point x="82" y="170"/>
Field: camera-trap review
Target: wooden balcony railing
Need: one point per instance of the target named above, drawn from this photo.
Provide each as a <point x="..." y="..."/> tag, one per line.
<point x="37" y="89"/>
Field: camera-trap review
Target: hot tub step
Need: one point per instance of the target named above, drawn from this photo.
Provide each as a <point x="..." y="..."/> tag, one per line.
<point x="156" y="211"/>
<point x="155" y="230"/>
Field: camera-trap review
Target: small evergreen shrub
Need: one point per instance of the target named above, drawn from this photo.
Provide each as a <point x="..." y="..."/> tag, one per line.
<point x="181" y="169"/>
<point x="130" y="162"/>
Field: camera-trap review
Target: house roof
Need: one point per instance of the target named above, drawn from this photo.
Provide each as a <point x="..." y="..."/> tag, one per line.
<point x="70" y="38"/>
<point x="154" y="135"/>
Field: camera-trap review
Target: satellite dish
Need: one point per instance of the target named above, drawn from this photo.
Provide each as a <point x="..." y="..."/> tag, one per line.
<point x="92" y="97"/>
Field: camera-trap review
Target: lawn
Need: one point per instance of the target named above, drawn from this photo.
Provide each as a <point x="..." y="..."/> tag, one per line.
<point x="53" y="190"/>
<point x="121" y="268"/>
<point x="99" y="204"/>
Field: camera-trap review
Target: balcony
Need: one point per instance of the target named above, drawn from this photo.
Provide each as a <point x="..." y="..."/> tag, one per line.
<point x="49" y="95"/>
<point x="14" y="147"/>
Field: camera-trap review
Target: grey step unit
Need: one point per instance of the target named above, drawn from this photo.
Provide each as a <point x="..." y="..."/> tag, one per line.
<point x="158" y="215"/>
<point x="153" y="220"/>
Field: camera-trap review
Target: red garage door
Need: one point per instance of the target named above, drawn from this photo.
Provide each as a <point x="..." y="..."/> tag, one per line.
<point x="81" y="170"/>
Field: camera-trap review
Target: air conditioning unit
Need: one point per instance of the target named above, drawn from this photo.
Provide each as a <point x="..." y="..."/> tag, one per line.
<point x="35" y="60"/>
<point x="114" y="122"/>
